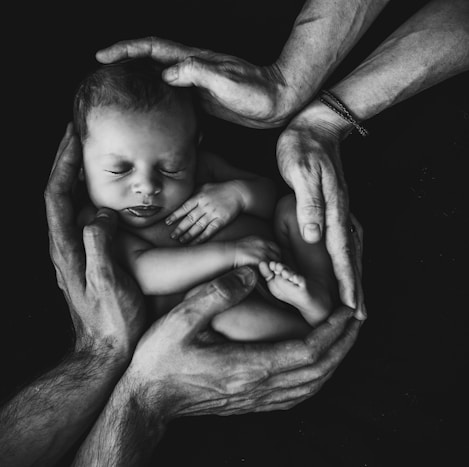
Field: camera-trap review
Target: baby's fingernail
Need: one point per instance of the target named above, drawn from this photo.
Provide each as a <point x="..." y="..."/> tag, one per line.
<point x="173" y="236"/>
<point x="171" y="74"/>
<point x="311" y="233"/>
<point x="168" y="221"/>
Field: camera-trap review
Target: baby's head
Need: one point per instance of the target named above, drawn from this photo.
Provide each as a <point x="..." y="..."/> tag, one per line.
<point x="139" y="138"/>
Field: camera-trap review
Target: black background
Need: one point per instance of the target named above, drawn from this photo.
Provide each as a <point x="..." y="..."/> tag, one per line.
<point x="397" y="399"/>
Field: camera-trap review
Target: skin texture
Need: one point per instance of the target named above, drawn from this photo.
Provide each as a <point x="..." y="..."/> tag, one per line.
<point x="172" y="373"/>
<point x="262" y="96"/>
<point x="430" y="47"/>
<point x="269" y="96"/>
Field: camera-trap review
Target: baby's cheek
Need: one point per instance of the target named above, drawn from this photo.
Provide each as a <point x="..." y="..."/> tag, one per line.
<point x="113" y="197"/>
<point x="180" y="191"/>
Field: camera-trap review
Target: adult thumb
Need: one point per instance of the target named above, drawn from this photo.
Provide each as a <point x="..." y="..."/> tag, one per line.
<point x="97" y="239"/>
<point x="310" y="212"/>
<point x="210" y="299"/>
<point x="193" y="71"/>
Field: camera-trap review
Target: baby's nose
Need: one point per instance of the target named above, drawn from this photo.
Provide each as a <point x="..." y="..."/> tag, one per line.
<point x="147" y="186"/>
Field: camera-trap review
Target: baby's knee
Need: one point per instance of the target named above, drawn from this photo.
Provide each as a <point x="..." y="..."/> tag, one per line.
<point x="285" y="215"/>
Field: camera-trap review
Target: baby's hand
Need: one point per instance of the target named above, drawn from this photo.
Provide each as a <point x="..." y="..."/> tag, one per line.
<point x="214" y="206"/>
<point x="252" y="250"/>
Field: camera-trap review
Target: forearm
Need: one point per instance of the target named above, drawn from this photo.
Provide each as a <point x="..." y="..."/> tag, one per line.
<point x="258" y="196"/>
<point x="170" y="270"/>
<point x="126" y="432"/>
<point x="322" y="35"/>
<point x="430" y="47"/>
<point x="48" y="416"/>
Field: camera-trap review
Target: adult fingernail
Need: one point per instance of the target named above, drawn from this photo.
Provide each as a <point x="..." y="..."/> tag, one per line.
<point x="361" y="315"/>
<point x="311" y="233"/>
<point x="103" y="214"/>
<point x="171" y="74"/>
<point x="246" y="275"/>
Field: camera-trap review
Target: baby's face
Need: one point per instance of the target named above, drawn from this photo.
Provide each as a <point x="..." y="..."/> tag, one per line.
<point x="141" y="164"/>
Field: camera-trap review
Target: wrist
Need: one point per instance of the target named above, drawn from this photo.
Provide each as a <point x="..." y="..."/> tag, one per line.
<point x="153" y="398"/>
<point x="319" y="116"/>
<point x="284" y="99"/>
<point x="104" y="350"/>
<point x="238" y="188"/>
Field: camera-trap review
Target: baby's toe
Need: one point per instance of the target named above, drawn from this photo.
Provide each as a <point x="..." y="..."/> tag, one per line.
<point x="299" y="280"/>
<point x="265" y="271"/>
<point x="286" y="274"/>
<point x="279" y="268"/>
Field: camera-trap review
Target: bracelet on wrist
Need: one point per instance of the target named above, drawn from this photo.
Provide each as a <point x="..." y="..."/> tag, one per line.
<point x="333" y="102"/>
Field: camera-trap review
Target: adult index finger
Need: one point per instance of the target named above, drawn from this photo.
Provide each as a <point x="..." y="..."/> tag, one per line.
<point x="163" y="50"/>
<point x="318" y="372"/>
<point x="64" y="241"/>
<point x="340" y="248"/>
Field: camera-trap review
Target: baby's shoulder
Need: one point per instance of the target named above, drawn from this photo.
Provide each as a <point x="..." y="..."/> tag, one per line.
<point x="208" y="165"/>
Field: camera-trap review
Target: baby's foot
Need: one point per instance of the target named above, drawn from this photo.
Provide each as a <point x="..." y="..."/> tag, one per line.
<point x="309" y="297"/>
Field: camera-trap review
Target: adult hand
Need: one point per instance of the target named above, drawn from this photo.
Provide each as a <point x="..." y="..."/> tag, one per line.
<point x="105" y="303"/>
<point x="229" y="87"/>
<point x="171" y="363"/>
<point x="308" y="156"/>
<point x="175" y="372"/>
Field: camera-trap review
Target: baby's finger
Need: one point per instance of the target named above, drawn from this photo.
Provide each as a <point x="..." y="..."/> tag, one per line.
<point x="275" y="249"/>
<point x="273" y="254"/>
<point x="195" y="230"/>
<point x="213" y="227"/>
<point x="187" y="222"/>
<point x="182" y="211"/>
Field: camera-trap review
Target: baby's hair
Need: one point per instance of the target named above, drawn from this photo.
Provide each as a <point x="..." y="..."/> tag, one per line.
<point x="134" y="85"/>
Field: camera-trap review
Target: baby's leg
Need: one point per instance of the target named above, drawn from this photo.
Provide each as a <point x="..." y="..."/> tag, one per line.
<point x="257" y="318"/>
<point x="308" y="283"/>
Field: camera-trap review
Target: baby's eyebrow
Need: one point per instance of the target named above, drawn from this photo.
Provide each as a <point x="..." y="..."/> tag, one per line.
<point x="115" y="156"/>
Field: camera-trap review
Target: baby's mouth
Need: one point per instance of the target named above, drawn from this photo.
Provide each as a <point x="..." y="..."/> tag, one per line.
<point x="144" y="210"/>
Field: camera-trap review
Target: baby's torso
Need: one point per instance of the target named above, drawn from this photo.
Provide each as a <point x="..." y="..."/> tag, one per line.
<point x="159" y="235"/>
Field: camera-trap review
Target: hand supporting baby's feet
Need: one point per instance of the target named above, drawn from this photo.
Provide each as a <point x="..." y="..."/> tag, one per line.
<point x="252" y="250"/>
<point x="309" y="296"/>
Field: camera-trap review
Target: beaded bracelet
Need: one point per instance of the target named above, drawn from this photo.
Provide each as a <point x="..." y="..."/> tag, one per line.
<point x="340" y="109"/>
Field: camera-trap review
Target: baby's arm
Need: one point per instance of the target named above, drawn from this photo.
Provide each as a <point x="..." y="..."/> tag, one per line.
<point x="257" y="194"/>
<point x="224" y="193"/>
<point x="167" y="270"/>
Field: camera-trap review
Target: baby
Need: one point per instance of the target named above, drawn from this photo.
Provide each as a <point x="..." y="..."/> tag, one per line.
<point x="187" y="216"/>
